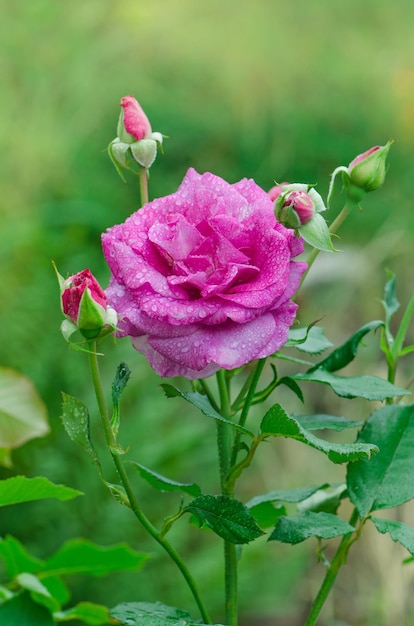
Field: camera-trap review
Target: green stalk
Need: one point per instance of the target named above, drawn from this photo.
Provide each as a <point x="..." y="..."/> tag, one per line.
<point x="257" y="372"/>
<point x="332" y="572"/>
<point x="133" y="502"/>
<point x="143" y="184"/>
<point x="230" y="554"/>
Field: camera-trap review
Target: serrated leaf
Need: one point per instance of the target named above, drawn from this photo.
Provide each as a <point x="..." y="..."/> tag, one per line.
<point x="326" y="422"/>
<point x="266" y="514"/>
<point x="202" y="403"/>
<point x="86" y="612"/>
<point x="277" y="423"/>
<point x="344" y="354"/>
<point x="166" y="484"/>
<point x="16" y="558"/>
<point x="23" y="414"/>
<point x="323" y="500"/>
<point x="296" y="528"/>
<point x="227" y="517"/>
<point x="285" y="495"/>
<point x="21" y="610"/>
<point x="75" y="418"/>
<point x="152" y="614"/>
<point x="79" y="556"/>
<point x="311" y="341"/>
<point x="22" y="489"/>
<point x="398" y="531"/>
<point x="368" y="387"/>
<point x="387" y="480"/>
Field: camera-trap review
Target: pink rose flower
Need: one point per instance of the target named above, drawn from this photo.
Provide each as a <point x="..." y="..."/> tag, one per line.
<point x="202" y="279"/>
<point x="135" y="121"/>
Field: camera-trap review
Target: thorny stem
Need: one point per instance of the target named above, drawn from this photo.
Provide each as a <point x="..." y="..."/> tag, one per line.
<point x="133" y="502"/>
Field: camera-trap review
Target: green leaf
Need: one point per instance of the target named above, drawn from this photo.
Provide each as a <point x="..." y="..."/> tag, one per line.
<point x="16" y="559"/>
<point x="310" y="340"/>
<point x="152" y="614"/>
<point x="398" y="531"/>
<point x="323" y="500"/>
<point x="21" y="489"/>
<point x="293" y="386"/>
<point x="326" y="422"/>
<point x="75" y="418"/>
<point x="38" y="591"/>
<point x="228" y="518"/>
<point x="87" y="612"/>
<point x="387" y="480"/>
<point x="21" y="610"/>
<point x="390" y="302"/>
<point x="202" y="403"/>
<point x="297" y="528"/>
<point x="166" y="484"/>
<point x="79" y="556"/>
<point x="266" y="514"/>
<point x="23" y="415"/>
<point x="346" y="353"/>
<point x="368" y="387"/>
<point x="120" y="381"/>
<point x="285" y="495"/>
<point x="277" y="423"/>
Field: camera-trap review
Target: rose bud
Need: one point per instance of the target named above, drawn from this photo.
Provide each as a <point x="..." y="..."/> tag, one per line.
<point x="294" y="208"/>
<point x="367" y="171"/>
<point x="84" y="303"/>
<point x="135" y="140"/>
<point x="298" y="206"/>
<point x="133" y="124"/>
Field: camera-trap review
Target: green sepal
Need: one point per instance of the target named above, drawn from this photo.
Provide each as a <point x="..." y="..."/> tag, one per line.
<point x="316" y="233"/>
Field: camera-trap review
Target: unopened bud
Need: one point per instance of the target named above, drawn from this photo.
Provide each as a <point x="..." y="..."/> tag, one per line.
<point x="85" y="305"/>
<point x="367" y="171"/>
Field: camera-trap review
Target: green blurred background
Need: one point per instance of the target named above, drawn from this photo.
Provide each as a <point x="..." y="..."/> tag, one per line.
<point x="266" y="89"/>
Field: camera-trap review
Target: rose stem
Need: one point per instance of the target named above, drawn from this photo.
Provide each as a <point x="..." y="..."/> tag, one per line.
<point x="230" y="554"/>
<point x="332" y="572"/>
<point x="143" y="184"/>
<point x="133" y="502"/>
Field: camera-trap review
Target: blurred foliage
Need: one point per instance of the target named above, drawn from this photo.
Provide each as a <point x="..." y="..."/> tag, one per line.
<point x="266" y="89"/>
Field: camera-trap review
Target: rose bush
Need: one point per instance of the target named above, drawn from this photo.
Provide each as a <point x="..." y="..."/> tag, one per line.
<point x="202" y="279"/>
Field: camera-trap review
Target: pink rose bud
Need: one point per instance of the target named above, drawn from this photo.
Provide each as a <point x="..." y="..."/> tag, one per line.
<point x="302" y="204"/>
<point x="135" y="140"/>
<point x="84" y="303"/>
<point x="294" y="208"/>
<point x="367" y="171"/>
<point x="133" y="120"/>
